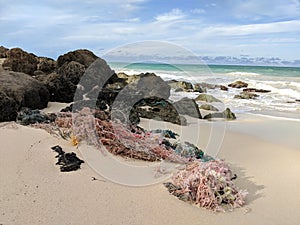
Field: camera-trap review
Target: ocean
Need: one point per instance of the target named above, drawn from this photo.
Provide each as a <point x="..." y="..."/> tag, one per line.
<point x="284" y="83"/>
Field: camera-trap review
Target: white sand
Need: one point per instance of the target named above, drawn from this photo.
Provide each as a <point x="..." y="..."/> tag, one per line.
<point x="33" y="191"/>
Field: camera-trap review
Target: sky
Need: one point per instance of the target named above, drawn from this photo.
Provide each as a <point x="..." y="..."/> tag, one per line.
<point x="235" y="28"/>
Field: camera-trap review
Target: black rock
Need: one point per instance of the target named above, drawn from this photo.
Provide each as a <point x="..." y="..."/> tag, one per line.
<point x="20" y="90"/>
<point x="159" y="109"/>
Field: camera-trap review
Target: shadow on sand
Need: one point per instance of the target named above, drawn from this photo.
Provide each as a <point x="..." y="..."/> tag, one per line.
<point x="245" y="182"/>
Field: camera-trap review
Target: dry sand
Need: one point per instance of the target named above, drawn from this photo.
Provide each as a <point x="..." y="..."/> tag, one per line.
<point x="33" y="191"/>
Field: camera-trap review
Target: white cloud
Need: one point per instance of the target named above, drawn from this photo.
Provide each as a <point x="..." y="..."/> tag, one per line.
<point x="276" y="27"/>
<point x="258" y="9"/>
<point x="198" y="11"/>
<point x="175" y="14"/>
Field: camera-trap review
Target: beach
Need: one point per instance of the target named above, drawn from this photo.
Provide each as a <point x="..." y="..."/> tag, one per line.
<point x="33" y="191"/>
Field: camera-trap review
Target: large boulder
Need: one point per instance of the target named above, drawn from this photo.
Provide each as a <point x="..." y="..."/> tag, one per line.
<point x="207" y="98"/>
<point x="188" y="107"/>
<point x="20" y="90"/>
<point x="152" y="85"/>
<point x="238" y="84"/>
<point x="159" y="109"/>
<point x="3" y="52"/>
<point x="20" y="61"/>
<point x="82" y="56"/>
<point x="8" y="108"/>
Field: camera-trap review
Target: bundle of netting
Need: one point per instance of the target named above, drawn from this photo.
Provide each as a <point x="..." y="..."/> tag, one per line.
<point x="117" y="138"/>
<point x="207" y="184"/>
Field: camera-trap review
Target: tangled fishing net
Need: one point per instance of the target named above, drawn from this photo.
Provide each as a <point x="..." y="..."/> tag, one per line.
<point x="204" y="181"/>
<point x="207" y="184"/>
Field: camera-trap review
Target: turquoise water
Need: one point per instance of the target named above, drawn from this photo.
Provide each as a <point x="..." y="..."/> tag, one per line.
<point x="216" y="69"/>
<point x="283" y="82"/>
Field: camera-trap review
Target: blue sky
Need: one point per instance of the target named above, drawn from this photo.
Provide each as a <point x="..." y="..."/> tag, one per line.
<point x="255" y="28"/>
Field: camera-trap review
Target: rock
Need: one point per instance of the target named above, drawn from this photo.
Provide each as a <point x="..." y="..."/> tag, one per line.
<point x="180" y="84"/>
<point x="82" y="56"/>
<point x="152" y="85"/>
<point x="188" y="107"/>
<point x="238" y="84"/>
<point x="8" y="108"/>
<point x="147" y="84"/>
<point x="223" y="88"/>
<point x="71" y="72"/>
<point x="159" y="109"/>
<point x="63" y="84"/>
<point x="60" y="90"/>
<point x="199" y="88"/>
<point x="20" y="61"/>
<point x="24" y="90"/>
<point x="116" y="86"/>
<point x="3" y="52"/>
<point x="128" y="78"/>
<point x="255" y="90"/>
<point x="179" y="90"/>
<point x="207" y="98"/>
<point x="246" y="95"/>
<point x="46" y="65"/>
<point x="205" y="86"/>
<point x="226" y="114"/>
<point x="209" y="107"/>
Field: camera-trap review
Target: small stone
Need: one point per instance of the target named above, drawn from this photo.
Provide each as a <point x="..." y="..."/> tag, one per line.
<point x="238" y="84"/>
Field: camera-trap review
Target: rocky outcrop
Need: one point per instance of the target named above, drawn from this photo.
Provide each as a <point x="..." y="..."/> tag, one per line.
<point x="207" y="98"/>
<point x="226" y="114"/>
<point x="20" y="90"/>
<point x="46" y="65"/>
<point x="188" y="107"/>
<point x="238" y="84"/>
<point x="63" y="83"/>
<point x="82" y="56"/>
<point x="180" y="84"/>
<point x="246" y="95"/>
<point x="256" y="90"/>
<point x="159" y="109"/>
<point x="3" y="52"/>
<point x="208" y="107"/>
<point x="20" y="61"/>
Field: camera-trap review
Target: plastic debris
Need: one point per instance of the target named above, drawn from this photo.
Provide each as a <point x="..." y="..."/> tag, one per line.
<point x="209" y="185"/>
<point x="204" y="181"/>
